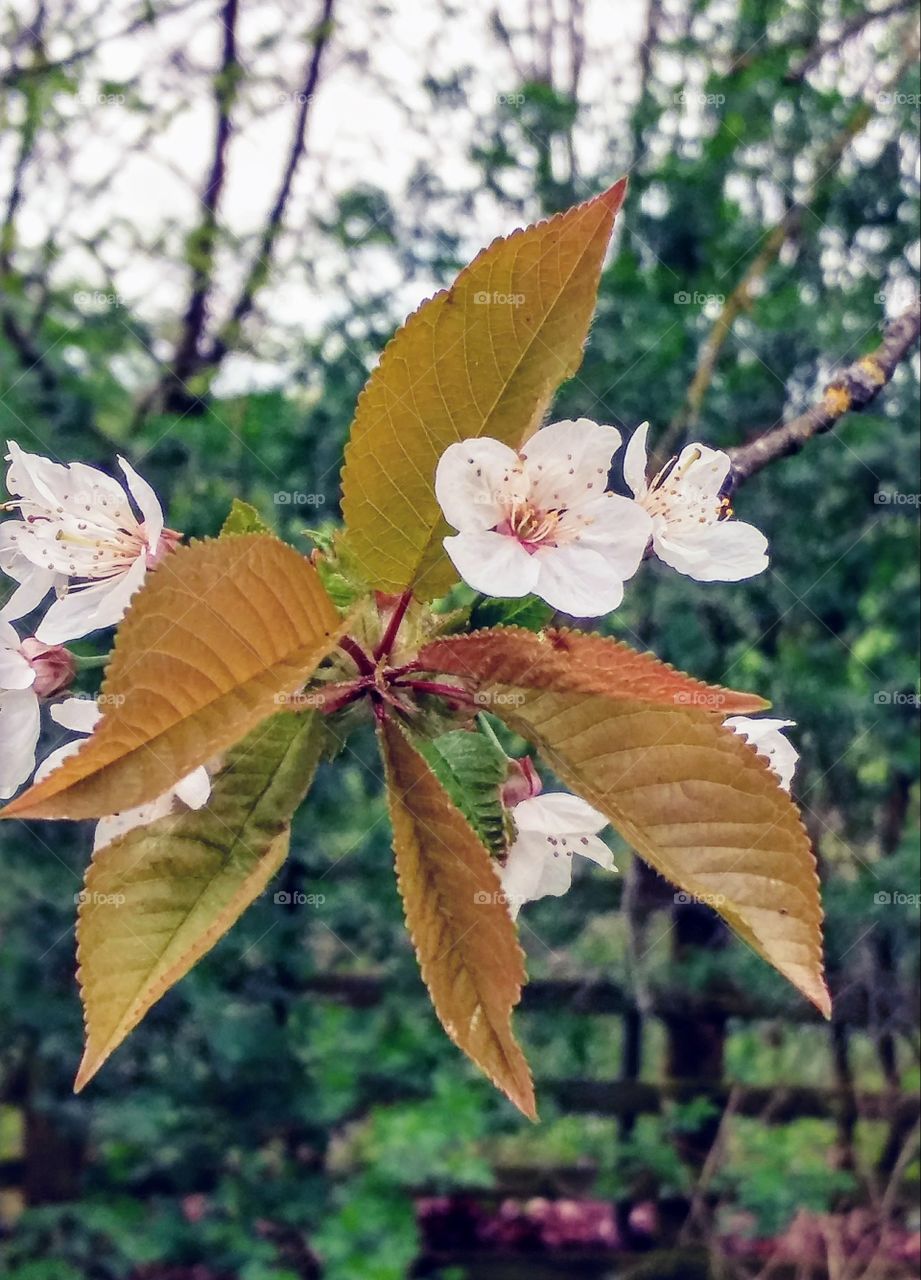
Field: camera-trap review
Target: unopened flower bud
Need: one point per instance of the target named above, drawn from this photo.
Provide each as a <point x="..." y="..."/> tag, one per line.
<point x="522" y="782"/>
<point x="54" y="666"/>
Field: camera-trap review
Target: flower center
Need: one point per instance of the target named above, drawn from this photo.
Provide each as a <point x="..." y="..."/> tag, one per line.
<point x="532" y="526"/>
<point x="667" y="496"/>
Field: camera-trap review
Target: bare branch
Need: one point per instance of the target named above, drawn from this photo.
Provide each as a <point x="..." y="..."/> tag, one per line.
<point x="852" y="390"/>
<point x="203" y="243"/>
<point x="262" y="263"/>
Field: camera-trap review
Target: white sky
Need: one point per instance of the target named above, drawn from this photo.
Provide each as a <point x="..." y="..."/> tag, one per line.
<point x="372" y="122"/>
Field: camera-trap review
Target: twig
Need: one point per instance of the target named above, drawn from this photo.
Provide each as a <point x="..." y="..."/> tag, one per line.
<point x="852" y="390"/>
<point x="203" y="242"/>
<point x="261" y="265"/>
<point x="741" y="297"/>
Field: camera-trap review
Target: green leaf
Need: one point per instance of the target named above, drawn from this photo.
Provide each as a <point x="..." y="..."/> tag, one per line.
<point x="528" y="612"/>
<point x="483" y="358"/>
<point x="243" y="518"/>
<point x="157" y="899"/>
<point x="472" y="770"/>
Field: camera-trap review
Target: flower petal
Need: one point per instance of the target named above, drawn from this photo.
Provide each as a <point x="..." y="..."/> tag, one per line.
<point x="702" y="470"/>
<point x="618" y="528"/>
<point x="493" y="563"/>
<point x="578" y="581"/>
<point x="568" y="462"/>
<point x="147" y="502"/>
<point x="595" y="849"/>
<point x="91" y="608"/>
<point x="195" y="789"/>
<point x="522" y="871"/>
<point x="558" y="813"/>
<point x="766" y="736"/>
<point x="473" y="481"/>
<point x="636" y="461"/>
<point x="109" y="829"/>
<point x="20" y="726"/>
<point x="15" y="669"/>
<point x="35" y="478"/>
<point x="57" y="757"/>
<point x="725" y="551"/>
<point x="556" y="871"/>
<point x="34" y="585"/>
<point x="79" y="715"/>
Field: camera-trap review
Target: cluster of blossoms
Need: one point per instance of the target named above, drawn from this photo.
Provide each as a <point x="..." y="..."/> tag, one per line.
<point x="543" y="521"/>
<point x="538" y="521"/>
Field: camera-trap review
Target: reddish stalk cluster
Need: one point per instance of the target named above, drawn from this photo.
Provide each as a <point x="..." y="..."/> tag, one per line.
<point x="382" y="683"/>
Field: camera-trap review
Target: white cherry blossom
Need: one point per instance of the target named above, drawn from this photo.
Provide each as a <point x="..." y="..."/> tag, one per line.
<point x="766" y="736"/>
<point x="81" y="715"/>
<point x="80" y="536"/>
<point x="541" y="520"/>
<point x="692" y="528"/>
<point x="20" y="718"/>
<point x="550" y="828"/>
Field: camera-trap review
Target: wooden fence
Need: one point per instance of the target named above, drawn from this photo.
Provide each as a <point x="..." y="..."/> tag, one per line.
<point x="49" y="1166"/>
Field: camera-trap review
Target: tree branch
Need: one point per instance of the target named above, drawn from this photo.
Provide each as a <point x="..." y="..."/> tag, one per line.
<point x="262" y="262"/>
<point x="852" y="390"/>
<point x="743" y="294"/>
<point x="203" y="242"/>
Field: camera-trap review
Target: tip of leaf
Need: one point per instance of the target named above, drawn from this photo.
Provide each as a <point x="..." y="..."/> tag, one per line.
<point x="89" y="1065"/>
<point x="821" y="998"/>
<point x="616" y="194"/>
